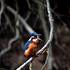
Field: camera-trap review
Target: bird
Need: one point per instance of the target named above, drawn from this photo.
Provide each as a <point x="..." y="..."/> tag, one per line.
<point x="31" y="46"/>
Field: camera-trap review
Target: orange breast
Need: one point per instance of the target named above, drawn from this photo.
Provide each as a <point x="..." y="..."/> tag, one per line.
<point x="31" y="50"/>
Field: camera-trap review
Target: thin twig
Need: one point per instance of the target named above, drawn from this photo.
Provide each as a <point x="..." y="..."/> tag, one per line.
<point x="50" y="48"/>
<point x="28" y="15"/>
<point x="28" y="61"/>
<point x="46" y="62"/>
<point x="9" y="23"/>
<point x="2" y="6"/>
<point x="9" y="46"/>
<point x="30" y="66"/>
<point x="50" y="59"/>
<point x="28" y="4"/>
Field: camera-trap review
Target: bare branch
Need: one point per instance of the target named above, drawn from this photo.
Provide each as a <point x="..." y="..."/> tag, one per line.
<point x="30" y="66"/>
<point x="28" y="4"/>
<point x="28" y="61"/>
<point x="9" y="23"/>
<point x="2" y="6"/>
<point x="28" y="15"/>
<point x="9" y="46"/>
<point x="46" y="62"/>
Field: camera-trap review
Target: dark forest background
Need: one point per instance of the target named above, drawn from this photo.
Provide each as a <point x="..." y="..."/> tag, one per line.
<point x="61" y="39"/>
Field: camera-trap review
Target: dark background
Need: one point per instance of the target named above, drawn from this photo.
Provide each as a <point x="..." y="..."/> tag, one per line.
<point x="61" y="39"/>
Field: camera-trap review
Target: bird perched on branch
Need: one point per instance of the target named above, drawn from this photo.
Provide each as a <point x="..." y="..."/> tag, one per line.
<point x="32" y="46"/>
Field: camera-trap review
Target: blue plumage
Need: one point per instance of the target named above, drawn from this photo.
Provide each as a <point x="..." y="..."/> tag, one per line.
<point x="26" y="45"/>
<point x="30" y="40"/>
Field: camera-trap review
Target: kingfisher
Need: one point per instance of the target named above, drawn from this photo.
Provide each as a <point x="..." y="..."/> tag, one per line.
<point x="32" y="45"/>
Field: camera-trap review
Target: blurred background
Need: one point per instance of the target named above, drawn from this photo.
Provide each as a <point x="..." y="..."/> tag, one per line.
<point x="34" y="12"/>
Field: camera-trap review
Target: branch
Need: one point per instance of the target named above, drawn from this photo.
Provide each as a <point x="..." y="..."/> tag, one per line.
<point x="28" y="61"/>
<point x="9" y="22"/>
<point x="28" y="15"/>
<point x="9" y="46"/>
<point x="2" y="7"/>
<point x="46" y="61"/>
